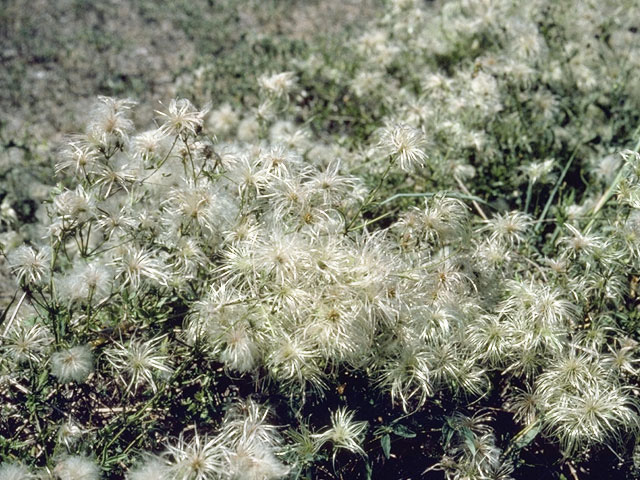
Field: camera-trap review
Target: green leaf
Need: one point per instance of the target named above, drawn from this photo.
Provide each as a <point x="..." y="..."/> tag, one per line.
<point x="403" y="431"/>
<point x="470" y="445"/>
<point x="385" y="441"/>
<point x="527" y="437"/>
<point x="43" y="379"/>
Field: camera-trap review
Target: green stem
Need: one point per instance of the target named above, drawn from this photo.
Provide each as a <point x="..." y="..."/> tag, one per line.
<point x="142" y="411"/>
<point x="556" y="187"/>
<point x="528" y="200"/>
<point x="460" y="196"/>
<point x="609" y="193"/>
<point x="193" y="167"/>
<point x="369" y="222"/>
<point x="175" y="140"/>
<point x="370" y="197"/>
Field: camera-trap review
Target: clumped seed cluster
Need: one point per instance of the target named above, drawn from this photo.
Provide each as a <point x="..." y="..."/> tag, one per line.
<point x="471" y="253"/>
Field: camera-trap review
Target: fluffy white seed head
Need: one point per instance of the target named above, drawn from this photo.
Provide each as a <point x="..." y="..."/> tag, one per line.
<point x="77" y="467"/>
<point x="151" y="468"/>
<point x="72" y="365"/>
<point x="24" y="342"/>
<point x="404" y="145"/>
<point x="28" y="264"/>
<point x="198" y="459"/>
<point x="344" y="433"/>
<point x="15" y="471"/>
<point x="255" y="461"/>
<point x="181" y="119"/>
<point x="223" y="120"/>
<point x="138" y="363"/>
<point x="69" y="433"/>
<point x="277" y="84"/>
